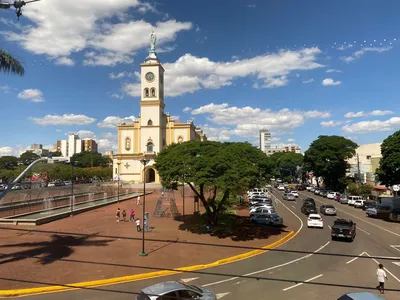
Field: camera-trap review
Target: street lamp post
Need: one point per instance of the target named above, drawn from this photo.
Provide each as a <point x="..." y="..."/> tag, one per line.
<point x="118" y="163"/>
<point x="72" y="187"/>
<point x="183" y="190"/>
<point x="144" y="163"/>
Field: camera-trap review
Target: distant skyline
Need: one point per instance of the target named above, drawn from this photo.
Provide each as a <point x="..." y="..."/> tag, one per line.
<point x="234" y="67"/>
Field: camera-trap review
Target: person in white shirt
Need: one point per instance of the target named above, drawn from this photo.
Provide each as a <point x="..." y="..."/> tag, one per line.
<point x="381" y="274"/>
<point x="138" y="200"/>
<point x="138" y="225"/>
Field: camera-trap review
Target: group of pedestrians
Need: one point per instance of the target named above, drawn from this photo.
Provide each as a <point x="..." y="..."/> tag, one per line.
<point x="121" y="216"/>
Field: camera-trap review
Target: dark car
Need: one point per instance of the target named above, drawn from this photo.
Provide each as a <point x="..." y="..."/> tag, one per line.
<point x="343" y="229"/>
<point x="323" y="193"/>
<point x="360" y="296"/>
<point x="367" y="205"/>
<point x="308" y="208"/>
<point x="309" y="200"/>
<point x="300" y="188"/>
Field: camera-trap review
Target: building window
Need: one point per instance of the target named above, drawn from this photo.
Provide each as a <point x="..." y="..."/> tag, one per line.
<point x="116" y="170"/>
<point x="150" y="147"/>
<point x="150" y="122"/>
<point x="153" y="92"/>
<point x="128" y="144"/>
<point x="180" y="139"/>
<point x="146" y="92"/>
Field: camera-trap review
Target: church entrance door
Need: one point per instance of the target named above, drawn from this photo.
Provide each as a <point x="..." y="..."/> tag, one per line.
<point x="150" y="175"/>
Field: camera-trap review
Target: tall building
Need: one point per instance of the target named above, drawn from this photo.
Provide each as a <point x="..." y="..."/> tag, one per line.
<point x="75" y="145"/>
<point x="37" y="149"/>
<point x="265" y="140"/>
<point x="109" y="154"/>
<point x="153" y="131"/>
<point x="283" y="148"/>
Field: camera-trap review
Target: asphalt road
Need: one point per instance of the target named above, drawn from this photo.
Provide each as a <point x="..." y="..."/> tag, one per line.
<point x="318" y="274"/>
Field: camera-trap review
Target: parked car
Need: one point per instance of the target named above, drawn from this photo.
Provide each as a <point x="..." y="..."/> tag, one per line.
<point x="294" y="193"/>
<point x="315" y="220"/>
<point x="281" y="188"/>
<point x="361" y="296"/>
<point x="262" y="211"/>
<point x="369" y="204"/>
<point x="328" y="209"/>
<point x="17" y="186"/>
<point x="271" y="219"/>
<point x="332" y="195"/>
<point x="379" y="211"/>
<point x="175" y="290"/>
<point x="352" y="199"/>
<point x="308" y="208"/>
<point x="259" y="200"/>
<point x="264" y="206"/>
<point x="323" y="193"/>
<point x="343" y="229"/>
<point x="317" y="191"/>
<point x="343" y="199"/>
<point x="309" y="188"/>
<point x="359" y="203"/>
<point x="395" y="215"/>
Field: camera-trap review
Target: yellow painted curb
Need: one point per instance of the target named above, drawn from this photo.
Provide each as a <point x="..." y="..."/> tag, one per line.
<point x="130" y="278"/>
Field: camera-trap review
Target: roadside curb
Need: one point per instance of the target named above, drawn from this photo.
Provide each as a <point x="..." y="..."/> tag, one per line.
<point x="137" y="277"/>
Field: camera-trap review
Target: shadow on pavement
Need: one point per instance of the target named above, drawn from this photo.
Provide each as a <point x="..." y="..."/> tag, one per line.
<point x="237" y="228"/>
<point x="60" y="246"/>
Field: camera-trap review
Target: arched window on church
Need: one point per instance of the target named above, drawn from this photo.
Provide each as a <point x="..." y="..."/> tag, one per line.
<point x="153" y="92"/>
<point x="128" y="144"/>
<point x="150" y="147"/>
<point x="150" y="122"/>
<point x="146" y="92"/>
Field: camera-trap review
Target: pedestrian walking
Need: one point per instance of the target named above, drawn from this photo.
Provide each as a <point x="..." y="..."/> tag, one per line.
<point x="276" y="202"/>
<point x="124" y="215"/>
<point x="118" y="214"/>
<point x="381" y="274"/>
<point x="138" y="200"/>
<point x="138" y="225"/>
<point x="131" y="215"/>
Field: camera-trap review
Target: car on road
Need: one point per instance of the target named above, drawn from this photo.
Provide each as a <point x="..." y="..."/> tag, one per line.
<point x="288" y="196"/>
<point x="175" y="290"/>
<point x="308" y="208"/>
<point x="270" y="219"/>
<point x="343" y="229"/>
<point x="361" y="296"/>
<point x="262" y="211"/>
<point x="328" y="209"/>
<point x="294" y="193"/>
<point x="352" y="199"/>
<point x="315" y="220"/>
<point x="369" y="204"/>
<point x="281" y="187"/>
<point x="309" y="200"/>
<point x="379" y="211"/>
<point x="343" y="199"/>
<point x="359" y="203"/>
<point x="332" y="195"/>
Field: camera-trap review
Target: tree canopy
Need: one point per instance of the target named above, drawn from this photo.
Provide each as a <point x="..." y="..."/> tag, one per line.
<point x="357" y="189"/>
<point x="286" y="163"/>
<point x="8" y="162"/>
<point x="28" y="157"/>
<point x="327" y="158"/>
<point x="389" y="165"/>
<point x="9" y="64"/>
<point x="90" y="159"/>
<point x="213" y="170"/>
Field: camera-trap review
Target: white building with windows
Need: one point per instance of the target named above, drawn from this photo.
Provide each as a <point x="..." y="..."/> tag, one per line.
<point x="265" y="140"/>
<point x="153" y="131"/>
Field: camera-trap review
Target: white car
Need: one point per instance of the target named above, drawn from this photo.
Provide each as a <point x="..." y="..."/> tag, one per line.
<point x="331" y="195"/>
<point x="359" y="203"/>
<point x="309" y="187"/>
<point x="294" y="193"/>
<point x="255" y="208"/>
<point x="281" y="188"/>
<point x="315" y="220"/>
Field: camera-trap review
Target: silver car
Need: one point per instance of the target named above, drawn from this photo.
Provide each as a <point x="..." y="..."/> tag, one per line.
<point x="172" y="290"/>
<point x="328" y="209"/>
<point x="270" y="219"/>
<point x="343" y="199"/>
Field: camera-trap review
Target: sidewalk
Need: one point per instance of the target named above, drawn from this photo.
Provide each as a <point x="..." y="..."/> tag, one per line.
<point x="115" y="254"/>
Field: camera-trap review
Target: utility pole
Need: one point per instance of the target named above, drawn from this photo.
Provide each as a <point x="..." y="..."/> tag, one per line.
<point x="358" y="168"/>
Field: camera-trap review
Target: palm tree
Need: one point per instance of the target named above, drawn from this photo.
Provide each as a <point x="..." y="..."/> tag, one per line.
<point x="9" y="64"/>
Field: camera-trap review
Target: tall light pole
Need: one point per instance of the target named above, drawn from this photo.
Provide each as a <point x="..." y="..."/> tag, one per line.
<point x="118" y="163"/>
<point x="183" y="190"/>
<point x="144" y="163"/>
<point x="72" y="186"/>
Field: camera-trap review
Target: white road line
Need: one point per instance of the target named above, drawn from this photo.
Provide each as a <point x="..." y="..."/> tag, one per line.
<point x="363" y="230"/>
<point x="308" y="280"/>
<point x="396" y="247"/>
<point x="398" y="280"/>
<point x="351" y="260"/>
<point x="330" y="228"/>
<point x="294" y="206"/>
<point x="377" y="226"/>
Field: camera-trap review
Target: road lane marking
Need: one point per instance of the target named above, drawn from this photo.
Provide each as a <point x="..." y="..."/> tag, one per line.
<point x="330" y="228"/>
<point x="186" y="280"/>
<point x="396" y="247"/>
<point x="220" y="295"/>
<point x="398" y="280"/>
<point x="363" y="230"/>
<point x="299" y="284"/>
<point x="270" y="268"/>
<point x="396" y="263"/>
<point x="294" y="206"/>
<point x="351" y="260"/>
<point x="377" y="226"/>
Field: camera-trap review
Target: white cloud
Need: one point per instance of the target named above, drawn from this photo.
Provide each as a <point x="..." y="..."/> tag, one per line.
<point x="344" y="47"/>
<point x="120" y="75"/>
<point x="221" y="134"/>
<point x="74" y="26"/>
<point x="247" y="121"/>
<point x="353" y="138"/>
<point x="359" y="53"/>
<point x="372" y="126"/>
<point x="106" y="145"/>
<point x="117" y="96"/>
<point x="108" y="135"/>
<point x="86" y="134"/>
<point x="6" y="151"/>
<point x="331" y="123"/>
<point x="308" y="81"/>
<point x="330" y="81"/>
<point x="5" y="88"/>
<point x="354" y="114"/>
<point x="381" y="112"/>
<point x="251" y="6"/>
<point x="33" y="95"/>
<point x="113" y="121"/>
<point x="291" y="140"/>
<point x="333" y="70"/>
<point x="190" y="73"/>
<point x="66" y="119"/>
<point x="275" y="139"/>
<point x="187" y="109"/>
<point x="64" y="61"/>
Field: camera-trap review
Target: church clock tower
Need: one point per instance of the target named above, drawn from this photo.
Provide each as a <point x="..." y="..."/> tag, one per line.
<point x="152" y="118"/>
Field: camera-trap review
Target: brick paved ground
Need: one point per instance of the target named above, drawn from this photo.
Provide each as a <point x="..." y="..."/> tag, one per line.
<point x="93" y="255"/>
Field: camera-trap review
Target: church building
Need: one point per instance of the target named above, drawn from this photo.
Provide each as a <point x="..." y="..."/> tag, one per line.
<point x="153" y="131"/>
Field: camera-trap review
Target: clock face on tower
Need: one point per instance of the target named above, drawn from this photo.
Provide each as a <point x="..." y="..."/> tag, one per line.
<point x="149" y="76"/>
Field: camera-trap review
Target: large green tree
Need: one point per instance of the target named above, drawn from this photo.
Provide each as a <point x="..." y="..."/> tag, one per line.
<point x="327" y="158"/>
<point x="28" y="157"/>
<point x="213" y="170"/>
<point x="9" y="64"/>
<point x="389" y="165"/>
<point x="8" y="162"/>
<point x="287" y="163"/>
<point x="90" y="159"/>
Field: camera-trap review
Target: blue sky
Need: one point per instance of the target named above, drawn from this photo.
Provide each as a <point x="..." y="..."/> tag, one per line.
<point x="300" y="69"/>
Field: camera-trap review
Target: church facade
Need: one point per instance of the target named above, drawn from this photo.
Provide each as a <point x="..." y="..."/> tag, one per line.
<point x="153" y="131"/>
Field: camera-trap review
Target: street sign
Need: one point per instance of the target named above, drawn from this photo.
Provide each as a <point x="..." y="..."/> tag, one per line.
<point x="396" y="188"/>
